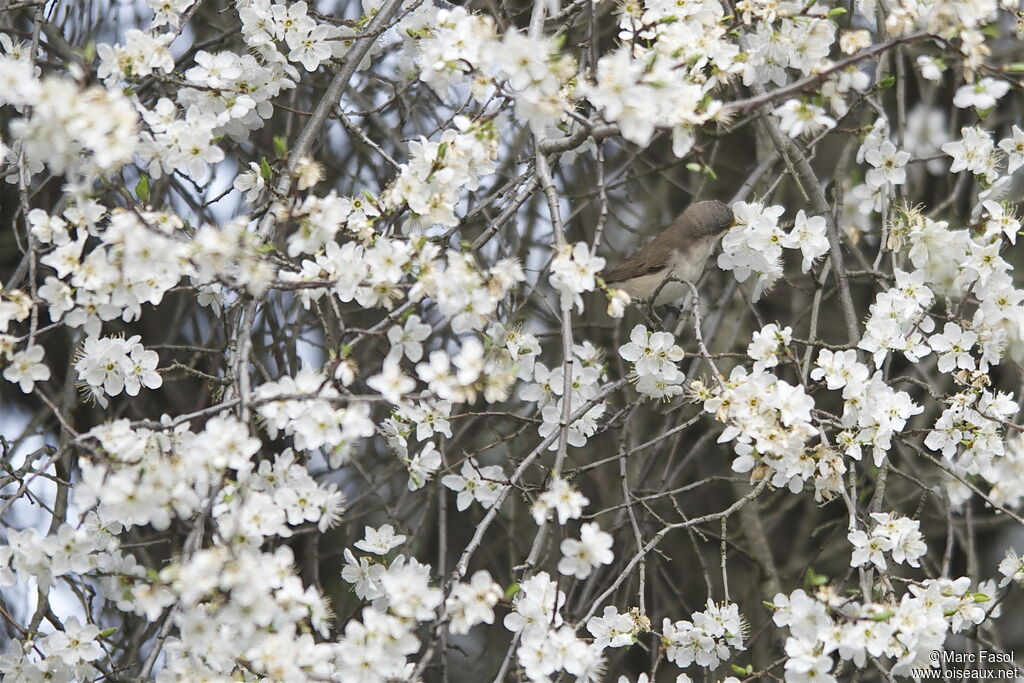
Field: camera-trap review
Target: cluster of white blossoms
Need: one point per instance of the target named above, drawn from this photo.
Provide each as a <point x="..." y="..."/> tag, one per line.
<point x="179" y="144"/>
<point x="873" y="411"/>
<point x="451" y="46"/>
<point x="655" y="359"/>
<point x="547" y="390"/>
<point x="66" y="654"/>
<point x="708" y="638"/>
<point x="86" y="551"/>
<point x="673" y="56"/>
<point x="376" y="275"/>
<point x="644" y="90"/>
<point x="430" y="186"/>
<point x="227" y="255"/>
<point x="801" y="41"/>
<point x="432" y="182"/>
<point x="754" y="245"/>
<point x="949" y="262"/>
<point x="310" y="409"/>
<point x="128" y="485"/>
<point x="770" y="421"/>
<point x="926" y="136"/>
<point x="110" y="365"/>
<point x="960" y="22"/>
<point x="888" y="163"/>
<point x="402" y="596"/>
<point x="60" y="127"/>
<point x="282" y="32"/>
<point x="69" y="550"/>
<point x="139" y="55"/>
<point x="546" y="644"/>
<point x="898" y="536"/>
<point x="574" y="271"/>
<point x="425" y="418"/>
<point x="138" y="259"/>
<point x="232" y="96"/>
<point x="224" y="93"/>
<point x="769" y="345"/>
<point x="907" y="630"/>
<point x="898" y="320"/>
<point x="974" y="152"/>
<point x="272" y="499"/>
<point x="180" y="135"/>
<point x="614" y="629"/>
<point x="471" y="603"/>
<point x="797" y="37"/>
<point x="25" y="365"/>
<point x="580" y="557"/>
<point x="969" y="434"/>
<point x="212" y="589"/>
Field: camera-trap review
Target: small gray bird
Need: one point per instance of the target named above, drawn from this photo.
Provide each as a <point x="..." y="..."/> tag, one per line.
<point x="680" y="252"/>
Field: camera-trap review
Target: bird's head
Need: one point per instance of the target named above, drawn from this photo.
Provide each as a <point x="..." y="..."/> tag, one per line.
<point x="709" y="218"/>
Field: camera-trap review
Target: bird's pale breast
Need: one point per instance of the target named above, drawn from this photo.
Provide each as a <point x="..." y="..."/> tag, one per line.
<point x="683" y="264"/>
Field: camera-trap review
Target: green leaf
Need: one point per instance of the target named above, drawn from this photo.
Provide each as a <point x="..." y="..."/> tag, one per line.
<point x="815" y="579"/>
<point x="882" y="616"/>
<point x="886" y="82"/>
<point x="742" y="670"/>
<point x="769" y="605"/>
<point x="836" y="12"/>
<point x="265" y="171"/>
<point x="694" y="167"/>
<point x="981" y="597"/>
<point x="280" y="146"/>
<point x="142" y="189"/>
<point x="511" y="591"/>
<point x="107" y="632"/>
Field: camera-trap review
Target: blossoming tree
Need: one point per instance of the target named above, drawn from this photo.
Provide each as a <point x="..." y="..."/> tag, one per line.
<point x="310" y="373"/>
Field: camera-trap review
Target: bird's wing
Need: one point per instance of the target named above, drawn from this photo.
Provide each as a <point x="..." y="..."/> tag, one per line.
<point x="651" y="259"/>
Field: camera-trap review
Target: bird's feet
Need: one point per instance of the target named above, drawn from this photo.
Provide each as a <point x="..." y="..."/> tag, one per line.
<point x="646" y="309"/>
